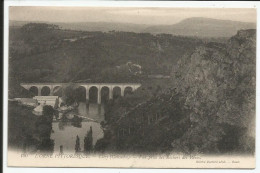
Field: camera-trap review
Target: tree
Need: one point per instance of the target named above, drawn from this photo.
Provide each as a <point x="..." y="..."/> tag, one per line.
<point x="48" y="112"/>
<point x="88" y="141"/>
<point x="44" y="128"/>
<point x="77" y="145"/>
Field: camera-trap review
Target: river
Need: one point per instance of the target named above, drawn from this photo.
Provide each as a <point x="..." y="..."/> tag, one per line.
<point x="65" y="133"/>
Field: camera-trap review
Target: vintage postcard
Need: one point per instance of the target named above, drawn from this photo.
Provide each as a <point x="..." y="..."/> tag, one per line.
<point x="139" y="87"/>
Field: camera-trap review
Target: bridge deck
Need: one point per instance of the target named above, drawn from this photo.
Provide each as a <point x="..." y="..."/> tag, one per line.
<point x="81" y="83"/>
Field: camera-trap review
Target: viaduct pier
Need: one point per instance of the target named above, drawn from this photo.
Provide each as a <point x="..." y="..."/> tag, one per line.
<point x="52" y="87"/>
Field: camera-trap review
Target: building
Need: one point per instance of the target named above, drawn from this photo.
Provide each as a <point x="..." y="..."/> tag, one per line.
<point x="158" y="76"/>
<point x="27" y="101"/>
<point x="48" y="100"/>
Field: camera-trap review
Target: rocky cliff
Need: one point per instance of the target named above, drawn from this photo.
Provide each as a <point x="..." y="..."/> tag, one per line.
<point x="218" y="85"/>
<point x="210" y="108"/>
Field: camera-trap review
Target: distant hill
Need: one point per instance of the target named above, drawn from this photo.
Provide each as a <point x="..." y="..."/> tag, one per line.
<point x="14" y="23"/>
<point x="104" y="26"/>
<point x="91" y="26"/>
<point x="197" y="27"/>
<point x="202" y="27"/>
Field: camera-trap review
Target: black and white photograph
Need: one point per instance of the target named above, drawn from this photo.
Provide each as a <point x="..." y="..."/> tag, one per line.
<point x="142" y="87"/>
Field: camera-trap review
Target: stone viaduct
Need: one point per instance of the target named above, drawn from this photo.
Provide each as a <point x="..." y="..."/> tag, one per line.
<point x="87" y="86"/>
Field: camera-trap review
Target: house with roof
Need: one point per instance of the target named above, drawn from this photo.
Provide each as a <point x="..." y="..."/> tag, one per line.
<point x="48" y="100"/>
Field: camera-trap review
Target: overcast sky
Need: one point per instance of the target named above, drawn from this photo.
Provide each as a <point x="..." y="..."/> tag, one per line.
<point x="152" y="16"/>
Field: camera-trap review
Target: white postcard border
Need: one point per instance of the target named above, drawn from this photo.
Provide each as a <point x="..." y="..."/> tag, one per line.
<point x="193" y="4"/>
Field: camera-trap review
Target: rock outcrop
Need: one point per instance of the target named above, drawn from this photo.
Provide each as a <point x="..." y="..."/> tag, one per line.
<point x="210" y="108"/>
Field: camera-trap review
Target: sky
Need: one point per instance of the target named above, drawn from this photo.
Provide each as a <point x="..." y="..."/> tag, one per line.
<point x="150" y="16"/>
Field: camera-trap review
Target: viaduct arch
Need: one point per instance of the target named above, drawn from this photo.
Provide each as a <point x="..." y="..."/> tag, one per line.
<point x="87" y="86"/>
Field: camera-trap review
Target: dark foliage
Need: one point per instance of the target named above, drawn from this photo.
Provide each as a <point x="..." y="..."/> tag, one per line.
<point x="29" y="132"/>
<point x="88" y="141"/>
<point x="77" y="145"/>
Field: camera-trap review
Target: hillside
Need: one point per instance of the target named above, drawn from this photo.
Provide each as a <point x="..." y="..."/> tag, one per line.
<point x="46" y="53"/>
<point x="208" y="108"/>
